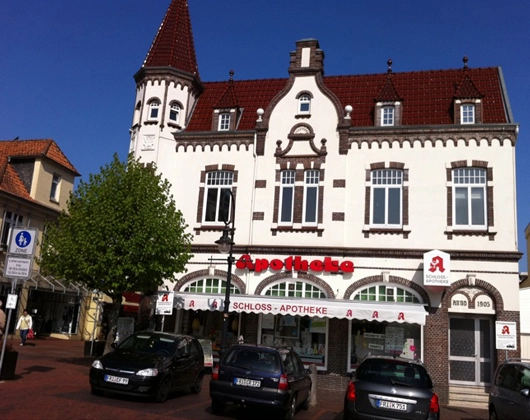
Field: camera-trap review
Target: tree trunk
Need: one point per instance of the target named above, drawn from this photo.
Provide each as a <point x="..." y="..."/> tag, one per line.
<point x="113" y="321"/>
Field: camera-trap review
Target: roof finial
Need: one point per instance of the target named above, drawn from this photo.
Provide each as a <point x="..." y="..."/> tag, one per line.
<point x="231" y="75"/>
<point x="389" y="63"/>
<point x="465" y="61"/>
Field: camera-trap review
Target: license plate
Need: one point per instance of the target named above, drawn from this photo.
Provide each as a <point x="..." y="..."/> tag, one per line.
<point x="247" y="382"/>
<point x="391" y="405"/>
<point x="116" y="380"/>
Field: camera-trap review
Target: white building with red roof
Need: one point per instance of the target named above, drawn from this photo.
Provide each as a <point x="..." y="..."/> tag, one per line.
<point x="376" y="212"/>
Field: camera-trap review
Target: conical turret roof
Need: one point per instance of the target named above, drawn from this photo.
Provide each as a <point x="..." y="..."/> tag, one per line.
<point x="173" y="45"/>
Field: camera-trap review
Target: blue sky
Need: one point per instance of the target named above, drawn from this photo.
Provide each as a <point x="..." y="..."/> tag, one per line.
<point x="66" y="67"/>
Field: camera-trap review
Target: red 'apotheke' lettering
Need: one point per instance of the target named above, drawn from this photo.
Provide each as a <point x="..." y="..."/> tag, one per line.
<point x="296" y="263"/>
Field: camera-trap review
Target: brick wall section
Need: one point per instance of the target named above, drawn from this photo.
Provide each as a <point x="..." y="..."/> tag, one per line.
<point x="436" y="351"/>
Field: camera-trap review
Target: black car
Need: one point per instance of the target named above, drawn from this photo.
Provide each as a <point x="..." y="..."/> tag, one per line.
<point x="509" y="397"/>
<point x="387" y="388"/>
<point x="252" y="375"/>
<point x="150" y="364"/>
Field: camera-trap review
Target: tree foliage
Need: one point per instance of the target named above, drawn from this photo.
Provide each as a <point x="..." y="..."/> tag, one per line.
<point x="121" y="232"/>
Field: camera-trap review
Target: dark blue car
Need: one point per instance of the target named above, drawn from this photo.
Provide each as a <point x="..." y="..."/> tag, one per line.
<point x="261" y="376"/>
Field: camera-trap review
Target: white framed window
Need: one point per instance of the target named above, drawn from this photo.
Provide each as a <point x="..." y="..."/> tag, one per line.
<point x="217" y="198"/>
<point x="467" y="114"/>
<point x="386" y="293"/>
<point x="293" y="288"/>
<point x="386" y="198"/>
<point x="209" y="285"/>
<point x="224" y="122"/>
<point x="311" y="181"/>
<point x="154" y="107"/>
<point x="304" y="104"/>
<point x="287" y="196"/>
<point x="469" y="197"/>
<point x="54" y="191"/>
<point x="387" y="115"/>
<point x="174" y="113"/>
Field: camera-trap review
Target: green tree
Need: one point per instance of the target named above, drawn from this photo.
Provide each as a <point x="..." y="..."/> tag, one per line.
<point x="121" y="232"/>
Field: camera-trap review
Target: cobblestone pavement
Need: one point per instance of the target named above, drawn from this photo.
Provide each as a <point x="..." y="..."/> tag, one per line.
<point x="51" y="382"/>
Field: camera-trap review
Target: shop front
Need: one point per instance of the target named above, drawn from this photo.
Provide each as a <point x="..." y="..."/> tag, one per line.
<point x="304" y="325"/>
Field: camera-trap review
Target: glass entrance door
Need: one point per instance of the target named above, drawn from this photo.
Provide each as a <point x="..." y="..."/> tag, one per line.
<point x="470" y="351"/>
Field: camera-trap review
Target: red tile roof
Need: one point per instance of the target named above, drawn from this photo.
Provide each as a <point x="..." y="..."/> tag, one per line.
<point x="427" y="96"/>
<point x="173" y="45"/>
<point x="25" y="149"/>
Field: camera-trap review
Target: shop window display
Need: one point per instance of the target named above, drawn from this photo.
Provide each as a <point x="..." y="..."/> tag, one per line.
<point x="395" y="339"/>
<point x="306" y="335"/>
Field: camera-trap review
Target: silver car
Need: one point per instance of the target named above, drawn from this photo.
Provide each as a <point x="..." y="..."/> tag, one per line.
<point x="509" y="397"/>
<point x="388" y="388"/>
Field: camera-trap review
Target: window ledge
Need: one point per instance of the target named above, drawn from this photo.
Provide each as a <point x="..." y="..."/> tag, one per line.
<point x="303" y="229"/>
<point x="302" y="116"/>
<point x="468" y="232"/>
<point x="151" y="122"/>
<point x="377" y="231"/>
<point x="174" y="125"/>
<point x="208" y="228"/>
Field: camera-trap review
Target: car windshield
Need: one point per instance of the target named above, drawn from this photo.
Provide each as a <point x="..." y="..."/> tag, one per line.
<point x="394" y="372"/>
<point x="254" y="359"/>
<point x="150" y="344"/>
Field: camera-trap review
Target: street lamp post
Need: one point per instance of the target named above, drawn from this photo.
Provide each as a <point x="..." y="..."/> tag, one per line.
<point x="225" y="245"/>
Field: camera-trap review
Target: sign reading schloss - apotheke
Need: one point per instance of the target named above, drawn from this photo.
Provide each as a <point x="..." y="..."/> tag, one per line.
<point x="297" y="263"/>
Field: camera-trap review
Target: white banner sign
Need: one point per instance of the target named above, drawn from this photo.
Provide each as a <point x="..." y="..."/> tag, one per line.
<point x="506" y="335"/>
<point x="436" y="268"/>
<point x="164" y="303"/>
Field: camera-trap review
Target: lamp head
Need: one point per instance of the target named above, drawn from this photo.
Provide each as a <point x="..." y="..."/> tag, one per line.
<point x="224" y="243"/>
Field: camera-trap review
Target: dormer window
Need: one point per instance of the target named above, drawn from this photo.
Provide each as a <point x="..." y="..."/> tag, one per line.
<point x="467" y="114"/>
<point x="304" y="104"/>
<point x="154" y="107"/>
<point x="224" y="122"/>
<point x="387" y="116"/>
<point x="174" y="112"/>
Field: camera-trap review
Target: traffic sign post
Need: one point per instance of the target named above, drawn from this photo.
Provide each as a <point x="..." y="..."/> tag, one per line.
<point x="18" y="265"/>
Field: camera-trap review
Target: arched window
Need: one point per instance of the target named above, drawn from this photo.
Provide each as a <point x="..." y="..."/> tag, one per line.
<point x="294" y="288"/>
<point x="304" y="104"/>
<point x="210" y="285"/>
<point x="386" y="293"/>
<point x="174" y="112"/>
<point x="154" y="106"/>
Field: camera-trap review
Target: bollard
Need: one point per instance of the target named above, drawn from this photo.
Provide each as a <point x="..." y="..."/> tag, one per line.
<point x="314" y="376"/>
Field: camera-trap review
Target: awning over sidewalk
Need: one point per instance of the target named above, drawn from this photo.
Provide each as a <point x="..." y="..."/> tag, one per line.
<point x="324" y="308"/>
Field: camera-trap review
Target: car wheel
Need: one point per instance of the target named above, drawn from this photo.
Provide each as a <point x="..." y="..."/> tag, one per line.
<point x="305" y="404"/>
<point x="217" y="407"/>
<point x="197" y="386"/>
<point x="289" y="414"/>
<point x="96" y="392"/>
<point x="163" y="390"/>
<point x="493" y="414"/>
